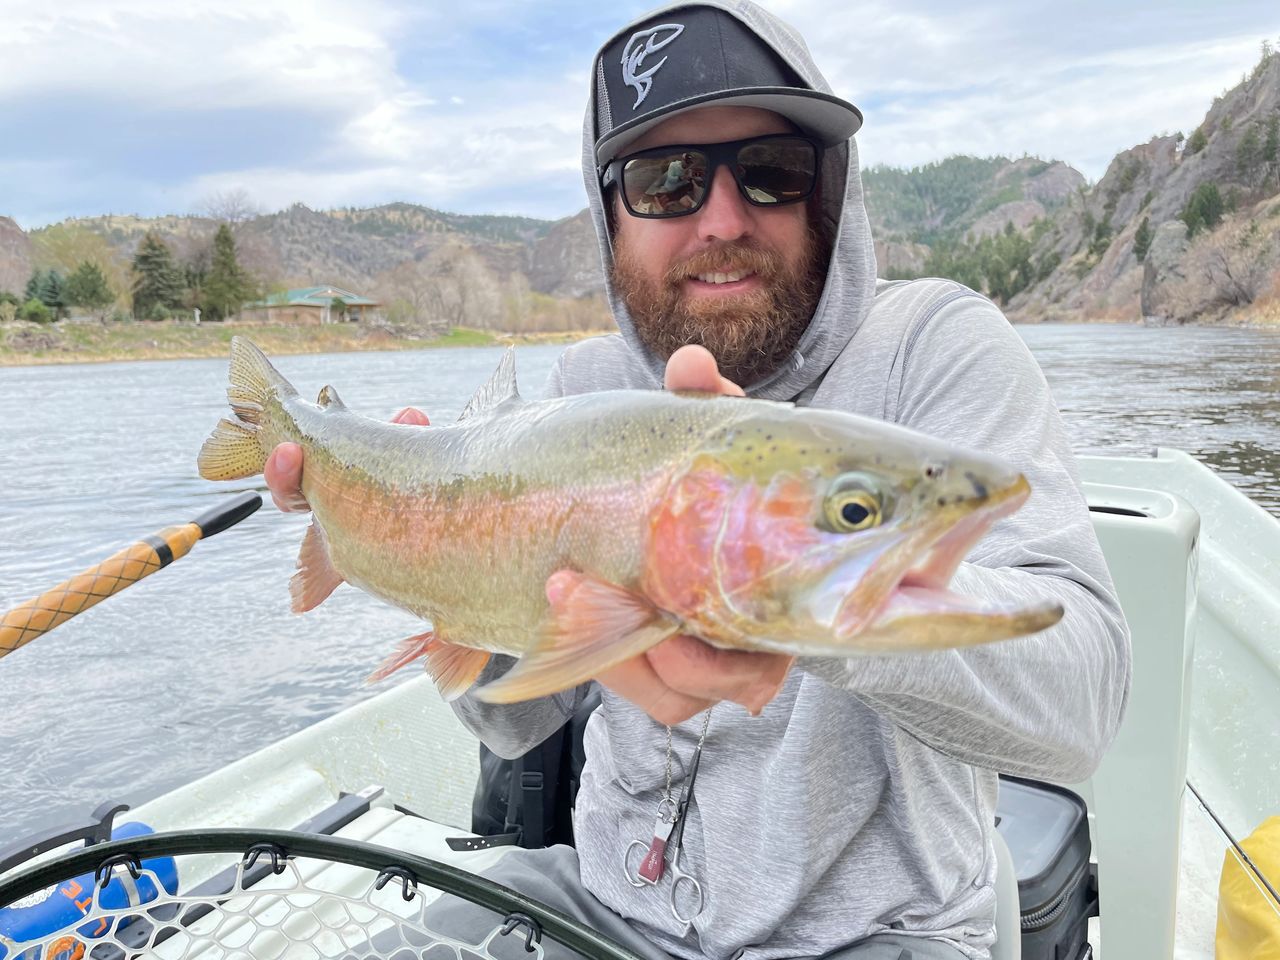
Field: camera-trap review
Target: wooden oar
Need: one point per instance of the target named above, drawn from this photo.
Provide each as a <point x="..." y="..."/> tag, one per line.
<point x="27" y="621"/>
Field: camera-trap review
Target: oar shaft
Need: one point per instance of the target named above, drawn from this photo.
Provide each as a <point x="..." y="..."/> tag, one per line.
<point x="27" y="621"/>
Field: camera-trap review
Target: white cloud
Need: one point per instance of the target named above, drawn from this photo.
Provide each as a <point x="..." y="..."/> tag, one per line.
<point x="498" y="119"/>
<point x="240" y="53"/>
<point x="974" y="80"/>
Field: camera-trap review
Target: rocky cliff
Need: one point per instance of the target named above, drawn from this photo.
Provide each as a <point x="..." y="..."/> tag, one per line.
<point x="15" y="257"/>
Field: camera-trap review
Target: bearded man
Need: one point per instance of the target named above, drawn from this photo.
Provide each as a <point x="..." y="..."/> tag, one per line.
<point x="843" y="807"/>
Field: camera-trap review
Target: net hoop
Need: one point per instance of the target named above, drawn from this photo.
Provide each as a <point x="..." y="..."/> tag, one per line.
<point x="405" y="872"/>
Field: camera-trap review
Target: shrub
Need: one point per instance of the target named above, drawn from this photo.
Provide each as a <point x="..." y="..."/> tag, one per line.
<point x="35" y="311"/>
<point x="1204" y="209"/>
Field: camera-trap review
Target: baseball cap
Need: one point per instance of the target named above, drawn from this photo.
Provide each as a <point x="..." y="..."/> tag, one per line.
<point x="697" y="56"/>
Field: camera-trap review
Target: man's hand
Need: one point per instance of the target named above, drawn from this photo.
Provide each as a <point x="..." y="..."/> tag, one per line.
<point x="681" y="677"/>
<point x="283" y="470"/>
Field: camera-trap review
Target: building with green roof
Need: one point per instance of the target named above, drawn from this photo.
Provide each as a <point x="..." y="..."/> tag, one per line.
<point x="310" y="305"/>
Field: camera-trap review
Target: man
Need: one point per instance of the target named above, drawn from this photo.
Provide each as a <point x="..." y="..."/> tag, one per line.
<point x="849" y="807"/>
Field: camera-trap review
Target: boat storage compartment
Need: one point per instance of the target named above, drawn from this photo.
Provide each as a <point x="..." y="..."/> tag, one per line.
<point x="1047" y="831"/>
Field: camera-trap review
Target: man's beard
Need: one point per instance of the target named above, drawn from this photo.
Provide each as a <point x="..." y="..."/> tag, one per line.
<point x="752" y="334"/>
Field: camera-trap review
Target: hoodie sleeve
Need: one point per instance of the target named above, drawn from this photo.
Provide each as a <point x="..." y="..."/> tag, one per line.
<point x="1044" y="706"/>
<point x="511" y="730"/>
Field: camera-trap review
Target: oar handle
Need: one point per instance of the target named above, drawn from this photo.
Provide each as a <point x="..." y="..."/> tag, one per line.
<point x="29" y="620"/>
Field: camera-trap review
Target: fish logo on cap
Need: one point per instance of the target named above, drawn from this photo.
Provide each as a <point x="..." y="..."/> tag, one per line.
<point x="641" y="44"/>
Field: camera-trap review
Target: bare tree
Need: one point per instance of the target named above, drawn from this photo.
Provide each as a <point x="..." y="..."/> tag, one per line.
<point x="463" y="291"/>
<point x="409" y="291"/>
<point x="517" y="303"/>
<point x="1236" y="261"/>
<point x="1226" y="268"/>
<point x="232" y="207"/>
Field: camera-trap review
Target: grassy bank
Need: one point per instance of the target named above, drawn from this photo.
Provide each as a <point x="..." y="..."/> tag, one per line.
<point x="33" y="343"/>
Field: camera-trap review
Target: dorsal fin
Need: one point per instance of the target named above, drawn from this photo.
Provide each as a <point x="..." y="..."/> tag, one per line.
<point x="329" y="398"/>
<point x="498" y="389"/>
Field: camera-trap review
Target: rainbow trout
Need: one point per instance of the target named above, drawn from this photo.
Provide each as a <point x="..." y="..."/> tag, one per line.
<point x="578" y="532"/>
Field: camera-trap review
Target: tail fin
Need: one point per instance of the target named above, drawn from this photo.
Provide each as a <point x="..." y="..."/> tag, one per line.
<point x="234" y="450"/>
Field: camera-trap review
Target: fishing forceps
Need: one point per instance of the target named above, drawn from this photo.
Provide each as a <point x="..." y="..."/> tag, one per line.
<point x="693" y="889"/>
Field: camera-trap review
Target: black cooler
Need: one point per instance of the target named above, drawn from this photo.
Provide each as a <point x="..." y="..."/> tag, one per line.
<point x="1047" y="831"/>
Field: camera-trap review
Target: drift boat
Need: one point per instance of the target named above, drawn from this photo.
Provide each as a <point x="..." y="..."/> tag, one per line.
<point x="1197" y="568"/>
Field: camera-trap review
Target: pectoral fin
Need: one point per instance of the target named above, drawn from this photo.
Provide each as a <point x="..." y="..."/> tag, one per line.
<point x="316" y="577"/>
<point x="452" y="666"/>
<point x="591" y="627"/>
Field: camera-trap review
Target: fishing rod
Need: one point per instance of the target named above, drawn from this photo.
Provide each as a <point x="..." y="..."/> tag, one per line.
<point x="1239" y="850"/>
<point x="29" y="620"/>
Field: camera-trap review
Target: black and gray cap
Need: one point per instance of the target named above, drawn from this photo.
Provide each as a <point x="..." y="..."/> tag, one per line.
<point x="698" y="56"/>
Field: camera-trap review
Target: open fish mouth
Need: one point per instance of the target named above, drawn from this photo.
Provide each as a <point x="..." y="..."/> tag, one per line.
<point x="916" y="608"/>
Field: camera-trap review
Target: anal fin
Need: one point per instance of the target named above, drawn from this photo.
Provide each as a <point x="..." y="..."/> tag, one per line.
<point x="592" y="626"/>
<point x="452" y="666"/>
<point x="316" y="577"/>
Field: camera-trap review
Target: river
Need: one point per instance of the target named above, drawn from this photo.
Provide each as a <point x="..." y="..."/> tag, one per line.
<point x="203" y="662"/>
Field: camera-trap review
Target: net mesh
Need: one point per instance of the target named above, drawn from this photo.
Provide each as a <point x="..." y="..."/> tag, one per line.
<point x="309" y="909"/>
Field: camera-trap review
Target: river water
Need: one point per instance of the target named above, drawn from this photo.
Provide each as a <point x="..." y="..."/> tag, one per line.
<point x="203" y="663"/>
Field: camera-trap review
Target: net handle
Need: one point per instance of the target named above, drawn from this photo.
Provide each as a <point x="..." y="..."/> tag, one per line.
<point x="478" y="890"/>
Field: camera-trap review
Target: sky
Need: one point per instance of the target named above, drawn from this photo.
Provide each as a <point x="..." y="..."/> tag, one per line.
<point x="153" y="107"/>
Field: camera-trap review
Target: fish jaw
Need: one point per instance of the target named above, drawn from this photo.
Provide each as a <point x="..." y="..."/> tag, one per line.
<point x="919" y="612"/>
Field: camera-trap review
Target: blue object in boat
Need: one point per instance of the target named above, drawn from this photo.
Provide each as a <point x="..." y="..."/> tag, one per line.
<point x="57" y="908"/>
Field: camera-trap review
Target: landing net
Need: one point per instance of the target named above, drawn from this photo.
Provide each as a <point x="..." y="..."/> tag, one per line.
<point x="285" y="896"/>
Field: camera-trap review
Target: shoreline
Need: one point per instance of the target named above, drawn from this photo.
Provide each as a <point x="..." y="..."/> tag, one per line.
<point x="24" y="344"/>
<point x="68" y="342"/>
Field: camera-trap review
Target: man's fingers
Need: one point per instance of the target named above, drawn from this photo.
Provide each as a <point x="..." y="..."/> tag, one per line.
<point x="695" y="669"/>
<point x="694" y="368"/>
<point x="412" y="415"/>
<point x="635" y="680"/>
<point x="283" y="473"/>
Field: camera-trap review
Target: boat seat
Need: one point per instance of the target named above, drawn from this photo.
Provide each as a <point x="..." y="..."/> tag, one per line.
<point x="1008" y="945"/>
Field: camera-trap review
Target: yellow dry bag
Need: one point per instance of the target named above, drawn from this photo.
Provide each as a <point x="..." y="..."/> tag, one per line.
<point x="1248" y="917"/>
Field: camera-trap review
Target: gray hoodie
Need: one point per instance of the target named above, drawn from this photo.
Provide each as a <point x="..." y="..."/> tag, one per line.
<point x="862" y="800"/>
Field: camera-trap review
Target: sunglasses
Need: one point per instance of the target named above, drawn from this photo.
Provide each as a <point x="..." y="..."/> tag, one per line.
<point x="674" y="181"/>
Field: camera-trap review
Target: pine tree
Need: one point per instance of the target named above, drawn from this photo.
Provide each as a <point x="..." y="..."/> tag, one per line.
<point x="157" y="282"/>
<point x="1204" y="209"/>
<point x="1271" y="146"/>
<point x="53" y="293"/>
<point x="32" y="291"/>
<point x="1142" y="239"/>
<point x="228" y="287"/>
<point x="88" y="287"/>
<point x="1249" y="152"/>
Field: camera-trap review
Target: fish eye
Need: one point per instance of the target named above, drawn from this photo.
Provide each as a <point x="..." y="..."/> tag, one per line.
<point x="854" y="503"/>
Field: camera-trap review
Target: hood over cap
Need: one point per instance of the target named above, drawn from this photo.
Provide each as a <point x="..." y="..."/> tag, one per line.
<point x="722" y="53"/>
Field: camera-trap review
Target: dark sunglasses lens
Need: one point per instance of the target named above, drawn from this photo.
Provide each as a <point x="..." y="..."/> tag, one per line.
<point x="777" y="171"/>
<point x="664" y="184"/>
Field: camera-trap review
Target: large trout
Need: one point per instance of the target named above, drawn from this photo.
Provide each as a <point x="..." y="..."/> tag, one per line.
<point x="750" y="524"/>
